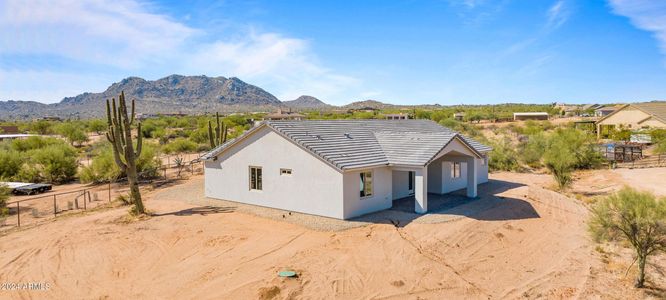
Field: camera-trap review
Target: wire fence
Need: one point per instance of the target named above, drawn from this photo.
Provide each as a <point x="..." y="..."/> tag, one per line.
<point x="36" y="209"/>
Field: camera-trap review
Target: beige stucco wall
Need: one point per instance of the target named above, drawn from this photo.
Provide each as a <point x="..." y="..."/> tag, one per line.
<point x="629" y="117"/>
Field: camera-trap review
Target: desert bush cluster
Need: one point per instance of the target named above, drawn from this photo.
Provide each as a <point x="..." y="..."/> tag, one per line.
<point x="38" y="159"/>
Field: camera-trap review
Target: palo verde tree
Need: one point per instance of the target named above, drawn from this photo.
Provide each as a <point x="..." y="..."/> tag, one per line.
<point x="219" y="137"/>
<point x="124" y="154"/>
<point x="638" y="218"/>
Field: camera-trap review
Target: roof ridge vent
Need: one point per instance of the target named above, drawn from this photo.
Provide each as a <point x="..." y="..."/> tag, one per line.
<point x="348" y="135"/>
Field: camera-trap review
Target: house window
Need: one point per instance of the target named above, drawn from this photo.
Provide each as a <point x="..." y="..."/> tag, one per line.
<point x="455" y="170"/>
<point x="285" y="171"/>
<point x="366" y="184"/>
<point x="255" y="178"/>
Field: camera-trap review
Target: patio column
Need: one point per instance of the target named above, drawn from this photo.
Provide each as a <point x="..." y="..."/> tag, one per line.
<point x="471" y="177"/>
<point x="421" y="190"/>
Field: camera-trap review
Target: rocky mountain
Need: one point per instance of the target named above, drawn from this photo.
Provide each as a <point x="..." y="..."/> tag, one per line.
<point x="172" y="94"/>
<point x="368" y="104"/>
<point x="306" y="102"/>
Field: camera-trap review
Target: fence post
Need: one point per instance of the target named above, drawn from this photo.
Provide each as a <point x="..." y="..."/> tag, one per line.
<point x="85" y="206"/>
<point x="18" y="213"/>
<point x="109" y="190"/>
<point x="55" y="208"/>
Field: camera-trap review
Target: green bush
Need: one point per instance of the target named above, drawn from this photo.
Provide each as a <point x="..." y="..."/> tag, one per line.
<point x="569" y="149"/>
<point x="5" y="193"/>
<point x="11" y="164"/>
<point x="503" y="157"/>
<point x="635" y="218"/>
<point x="533" y="149"/>
<point x="103" y="167"/>
<point x="180" y="145"/>
<point x="73" y="132"/>
<point x="56" y="163"/>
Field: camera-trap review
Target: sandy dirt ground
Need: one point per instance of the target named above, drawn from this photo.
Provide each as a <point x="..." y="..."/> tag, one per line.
<point x="526" y="248"/>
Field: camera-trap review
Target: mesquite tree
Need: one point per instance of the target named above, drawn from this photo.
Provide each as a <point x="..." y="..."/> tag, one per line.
<point x="219" y="137"/>
<point x="120" y="137"/>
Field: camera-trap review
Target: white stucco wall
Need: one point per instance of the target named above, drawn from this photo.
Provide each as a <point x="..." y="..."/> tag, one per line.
<point x="381" y="199"/>
<point x="400" y="184"/>
<point x="313" y="187"/>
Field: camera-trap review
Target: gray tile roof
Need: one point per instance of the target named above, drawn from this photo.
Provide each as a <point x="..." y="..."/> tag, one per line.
<point x="348" y="144"/>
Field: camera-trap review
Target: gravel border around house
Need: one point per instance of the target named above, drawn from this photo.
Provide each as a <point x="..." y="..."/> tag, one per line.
<point x="192" y="192"/>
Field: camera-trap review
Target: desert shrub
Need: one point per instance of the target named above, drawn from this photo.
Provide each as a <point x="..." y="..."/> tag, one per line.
<point x="534" y="127"/>
<point x="103" y="167"/>
<point x="180" y="145"/>
<point x="533" y="149"/>
<point x="73" y="132"/>
<point x="96" y="125"/>
<point x="659" y="140"/>
<point x="11" y="164"/>
<point x="56" y="163"/>
<point x="33" y="142"/>
<point x="41" y="127"/>
<point x="569" y="149"/>
<point x="503" y="157"/>
<point x="621" y="135"/>
<point x="200" y="135"/>
<point x="5" y="192"/>
<point x="634" y="217"/>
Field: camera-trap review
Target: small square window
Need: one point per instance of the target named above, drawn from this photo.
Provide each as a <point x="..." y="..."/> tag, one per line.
<point x="285" y="171"/>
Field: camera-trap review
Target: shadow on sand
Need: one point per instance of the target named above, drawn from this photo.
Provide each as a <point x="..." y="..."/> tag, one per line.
<point x="202" y="210"/>
<point x="488" y="206"/>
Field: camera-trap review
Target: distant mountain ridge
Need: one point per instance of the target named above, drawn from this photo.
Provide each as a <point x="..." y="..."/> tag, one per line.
<point x="306" y="102"/>
<point x="171" y="94"/>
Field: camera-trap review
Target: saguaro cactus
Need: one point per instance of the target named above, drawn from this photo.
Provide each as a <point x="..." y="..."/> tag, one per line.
<point x="120" y="137"/>
<point x="219" y="137"/>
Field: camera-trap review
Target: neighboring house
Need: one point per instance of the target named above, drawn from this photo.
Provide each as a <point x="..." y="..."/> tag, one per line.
<point x="284" y="115"/>
<point x="520" y="116"/>
<point x="459" y="116"/>
<point x="634" y="116"/>
<point x="344" y="168"/>
<point x="604" y="111"/>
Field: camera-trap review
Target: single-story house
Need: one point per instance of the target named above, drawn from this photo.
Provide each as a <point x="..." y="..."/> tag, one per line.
<point x="606" y="110"/>
<point x="646" y="115"/>
<point x="284" y="115"/>
<point x="519" y="116"/>
<point x="399" y="116"/>
<point x="344" y="168"/>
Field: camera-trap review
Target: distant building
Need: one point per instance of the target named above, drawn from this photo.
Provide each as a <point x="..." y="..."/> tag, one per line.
<point x="633" y="116"/>
<point x="520" y="116"/>
<point x="9" y="130"/>
<point x="606" y="110"/>
<point x="459" y="116"/>
<point x="284" y="115"/>
<point x="14" y="136"/>
<point x="399" y="116"/>
<point x="51" y="118"/>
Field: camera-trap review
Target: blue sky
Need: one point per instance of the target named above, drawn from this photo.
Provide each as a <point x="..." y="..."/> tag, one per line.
<point x="403" y="52"/>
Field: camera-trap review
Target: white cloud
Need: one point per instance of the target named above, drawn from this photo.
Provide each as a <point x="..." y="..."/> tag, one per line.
<point x="645" y="14"/>
<point x="128" y="37"/>
<point x="557" y="15"/>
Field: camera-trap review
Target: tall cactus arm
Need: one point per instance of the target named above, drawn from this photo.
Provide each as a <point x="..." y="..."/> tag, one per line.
<point x="211" y="139"/>
<point x="224" y="133"/>
<point x="132" y="115"/>
<point x="218" y="129"/>
<point x="139" y="141"/>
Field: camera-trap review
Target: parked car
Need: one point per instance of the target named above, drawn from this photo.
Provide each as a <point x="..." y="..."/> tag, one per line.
<point x="24" y="188"/>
